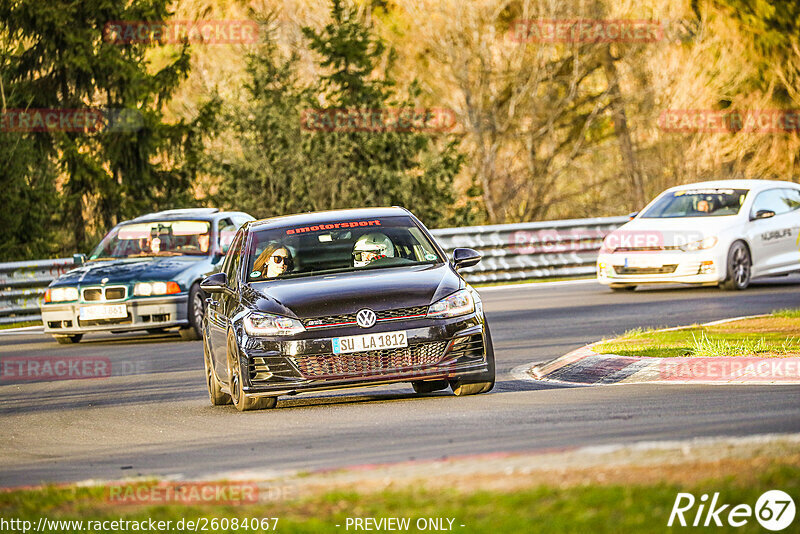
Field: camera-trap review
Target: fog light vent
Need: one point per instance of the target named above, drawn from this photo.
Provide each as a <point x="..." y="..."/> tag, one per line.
<point x="706" y="267"/>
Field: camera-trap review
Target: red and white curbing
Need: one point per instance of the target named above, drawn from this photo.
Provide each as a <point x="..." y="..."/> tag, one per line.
<point x="584" y="366"/>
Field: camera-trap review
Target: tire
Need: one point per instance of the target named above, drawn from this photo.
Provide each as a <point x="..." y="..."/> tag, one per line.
<point x="481" y="383"/>
<point x="68" y="340"/>
<point x="739" y="267"/>
<point x="429" y="386"/>
<point x="196" y="310"/>
<point x="619" y="288"/>
<point x="243" y="402"/>
<point x="215" y="393"/>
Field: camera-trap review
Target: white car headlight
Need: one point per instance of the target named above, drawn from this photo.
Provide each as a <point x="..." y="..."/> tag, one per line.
<point x="267" y="324"/>
<point x="143" y="289"/>
<point x="702" y="244"/>
<point x="146" y="289"/>
<point x="459" y="303"/>
<point x="63" y="294"/>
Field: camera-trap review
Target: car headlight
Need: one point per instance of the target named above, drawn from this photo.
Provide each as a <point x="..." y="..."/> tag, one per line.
<point x="146" y="289"/>
<point x="702" y="244"/>
<point x="61" y="294"/>
<point x="267" y="324"/>
<point x="459" y="303"/>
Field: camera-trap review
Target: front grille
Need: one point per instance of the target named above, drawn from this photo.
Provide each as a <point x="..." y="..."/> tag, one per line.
<point x="92" y="294"/>
<point x="115" y="293"/>
<point x="655" y="248"/>
<point x="664" y="269"/>
<point x="328" y="321"/>
<point x="372" y="362"/>
<point x="111" y="293"/>
<point x="401" y="313"/>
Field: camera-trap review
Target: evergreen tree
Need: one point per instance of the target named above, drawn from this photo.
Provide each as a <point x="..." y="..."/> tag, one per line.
<point x="283" y="168"/>
<point x="57" y="58"/>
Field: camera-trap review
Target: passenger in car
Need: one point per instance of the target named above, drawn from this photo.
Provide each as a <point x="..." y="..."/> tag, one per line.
<point x="274" y="261"/>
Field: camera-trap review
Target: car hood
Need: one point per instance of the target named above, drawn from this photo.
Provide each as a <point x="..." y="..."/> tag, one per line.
<point x="344" y="293"/>
<point x="129" y="270"/>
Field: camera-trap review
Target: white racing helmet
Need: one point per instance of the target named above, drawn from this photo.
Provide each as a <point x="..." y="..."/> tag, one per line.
<point x="375" y="246"/>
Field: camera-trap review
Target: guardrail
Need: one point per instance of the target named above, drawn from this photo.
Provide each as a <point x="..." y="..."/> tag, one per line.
<point x="527" y="251"/>
<point x="524" y="251"/>
<point x="22" y="286"/>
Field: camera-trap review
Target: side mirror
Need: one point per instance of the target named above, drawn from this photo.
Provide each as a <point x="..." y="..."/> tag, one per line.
<point x="216" y="283"/>
<point x="632" y="215"/>
<point x="79" y="259"/>
<point x="764" y="214"/>
<point x="465" y="257"/>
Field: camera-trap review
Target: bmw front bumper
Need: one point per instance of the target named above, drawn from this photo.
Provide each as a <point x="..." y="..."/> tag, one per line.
<point x="143" y="313"/>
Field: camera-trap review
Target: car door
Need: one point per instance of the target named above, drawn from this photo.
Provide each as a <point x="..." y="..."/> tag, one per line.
<point x="773" y="239"/>
<point x="219" y="305"/>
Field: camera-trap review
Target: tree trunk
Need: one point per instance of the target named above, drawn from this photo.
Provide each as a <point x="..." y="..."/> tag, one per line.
<point x="617" y="105"/>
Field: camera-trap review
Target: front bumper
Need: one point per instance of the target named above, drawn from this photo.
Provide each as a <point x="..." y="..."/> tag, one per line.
<point x="437" y="349"/>
<point x="143" y="313"/>
<point x="700" y="267"/>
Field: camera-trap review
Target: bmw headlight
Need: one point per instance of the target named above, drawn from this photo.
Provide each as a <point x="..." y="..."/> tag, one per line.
<point x="702" y="244"/>
<point x="146" y="289"/>
<point x="459" y="303"/>
<point x="267" y="324"/>
<point x="61" y="294"/>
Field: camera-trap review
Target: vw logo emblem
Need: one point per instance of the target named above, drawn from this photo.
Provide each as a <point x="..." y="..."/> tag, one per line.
<point x="365" y="318"/>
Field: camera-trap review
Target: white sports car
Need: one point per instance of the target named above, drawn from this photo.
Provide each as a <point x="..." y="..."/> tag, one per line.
<point x="724" y="232"/>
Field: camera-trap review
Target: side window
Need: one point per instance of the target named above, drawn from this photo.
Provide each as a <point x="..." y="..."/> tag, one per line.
<point x="231" y="265"/>
<point x="792" y="198"/>
<point x="777" y="200"/>
<point x="226" y="232"/>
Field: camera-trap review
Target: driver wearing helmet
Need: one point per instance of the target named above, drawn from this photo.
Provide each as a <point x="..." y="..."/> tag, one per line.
<point x="371" y="247"/>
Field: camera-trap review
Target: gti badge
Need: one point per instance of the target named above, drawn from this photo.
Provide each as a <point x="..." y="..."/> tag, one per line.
<point x="365" y="318"/>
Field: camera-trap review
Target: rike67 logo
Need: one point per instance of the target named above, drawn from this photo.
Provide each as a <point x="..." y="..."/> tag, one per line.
<point x="774" y="510"/>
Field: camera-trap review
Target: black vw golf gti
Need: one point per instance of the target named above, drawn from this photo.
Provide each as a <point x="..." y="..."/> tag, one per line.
<point x="339" y="299"/>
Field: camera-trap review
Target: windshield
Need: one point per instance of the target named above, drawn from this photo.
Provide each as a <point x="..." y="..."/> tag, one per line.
<point x="159" y="238"/>
<point x="338" y="246"/>
<point x="697" y="203"/>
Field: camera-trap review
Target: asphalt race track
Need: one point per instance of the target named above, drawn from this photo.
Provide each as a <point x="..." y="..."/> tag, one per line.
<point x="152" y="416"/>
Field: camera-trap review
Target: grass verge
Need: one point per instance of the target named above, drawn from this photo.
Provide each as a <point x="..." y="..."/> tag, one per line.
<point x="584" y="507"/>
<point x="20" y="325"/>
<point x="772" y="336"/>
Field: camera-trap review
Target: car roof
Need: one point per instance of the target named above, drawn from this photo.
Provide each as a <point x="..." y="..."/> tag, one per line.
<point x="322" y="217"/>
<point x="736" y="184"/>
<point x="204" y="214"/>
